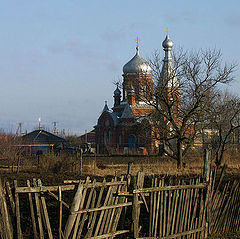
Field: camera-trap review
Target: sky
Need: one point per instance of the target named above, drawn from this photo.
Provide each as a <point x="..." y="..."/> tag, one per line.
<point x="59" y="58"/>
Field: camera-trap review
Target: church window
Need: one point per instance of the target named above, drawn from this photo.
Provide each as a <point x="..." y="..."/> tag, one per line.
<point x="107" y="123"/>
<point x="105" y="137"/>
<point x="120" y="140"/>
<point x="110" y="137"/>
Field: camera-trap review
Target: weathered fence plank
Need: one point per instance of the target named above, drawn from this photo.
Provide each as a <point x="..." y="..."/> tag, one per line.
<point x="18" y="216"/>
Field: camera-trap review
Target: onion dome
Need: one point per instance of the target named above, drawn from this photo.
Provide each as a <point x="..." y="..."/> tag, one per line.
<point x="137" y="65"/>
<point x="167" y="43"/>
<point x="105" y="107"/>
<point x="117" y="92"/>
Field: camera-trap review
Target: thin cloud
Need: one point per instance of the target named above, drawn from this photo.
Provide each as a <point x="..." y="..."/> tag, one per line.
<point x="233" y="19"/>
<point x="110" y="35"/>
<point x="187" y="16"/>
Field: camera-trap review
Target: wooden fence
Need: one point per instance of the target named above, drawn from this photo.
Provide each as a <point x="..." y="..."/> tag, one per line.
<point x="128" y="206"/>
<point x="173" y="211"/>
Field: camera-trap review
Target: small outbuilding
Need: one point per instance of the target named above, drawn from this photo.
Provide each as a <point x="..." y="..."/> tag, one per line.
<point x="40" y="141"/>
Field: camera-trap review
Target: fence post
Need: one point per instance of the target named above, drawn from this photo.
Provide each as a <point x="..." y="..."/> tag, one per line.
<point x="208" y="180"/>
<point x="5" y="220"/>
<point x="18" y="216"/>
<point x="207" y="163"/>
<point x="135" y="214"/>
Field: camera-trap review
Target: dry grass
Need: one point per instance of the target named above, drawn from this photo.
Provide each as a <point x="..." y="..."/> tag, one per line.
<point x="55" y="169"/>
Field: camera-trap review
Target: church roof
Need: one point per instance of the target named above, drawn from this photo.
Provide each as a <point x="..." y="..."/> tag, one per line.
<point x="127" y="112"/>
<point x="137" y="65"/>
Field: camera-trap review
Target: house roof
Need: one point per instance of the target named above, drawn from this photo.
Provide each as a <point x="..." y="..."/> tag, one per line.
<point x="43" y="136"/>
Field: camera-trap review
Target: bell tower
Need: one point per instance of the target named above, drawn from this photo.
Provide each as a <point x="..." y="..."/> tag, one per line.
<point x="137" y="76"/>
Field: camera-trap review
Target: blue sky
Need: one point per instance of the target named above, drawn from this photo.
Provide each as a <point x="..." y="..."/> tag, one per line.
<point x="59" y="58"/>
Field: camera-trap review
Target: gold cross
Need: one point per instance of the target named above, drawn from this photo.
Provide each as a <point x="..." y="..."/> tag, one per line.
<point x="137" y="40"/>
<point x="167" y="31"/>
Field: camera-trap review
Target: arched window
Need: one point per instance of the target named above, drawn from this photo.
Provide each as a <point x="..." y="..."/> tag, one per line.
<point x="132" y="141"/>
<point x="120" y="140"/>
<point x="105" y="137"/>
<point x="110" y="137"/>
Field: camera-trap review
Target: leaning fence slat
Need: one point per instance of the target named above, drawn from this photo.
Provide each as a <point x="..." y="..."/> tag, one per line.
<point x="84" y="218"/>
<point x="39" y="216"/>
<point x="113" y="216"/>
<point x="157" y="210"/>
<point x="183" y="207"/>
<point x="195" y="201"/>
<point x="175" y="211"/>
<point x="152" y="219"/>
<point x="107" y="212"/>
<point x="185" y="213"/>
<point x="187" y="225"/>
<point x="18" y="216"/>
<point x="57" y="198"/>
<point x="219" y="209"/>
<point x="135" y="215"/>
<point x="91" y="226"/>
<point x="222" y="218"/>
<point x="119" y="210"/>
<point x="228" y="207"/>
<point x="151" y="210"/>
<point x="170" y="221"/>
<point x="5" y="221"/>
<point x="32" y="212"/>
<point x="165" y="212"/>
<point x="60" y="212"/>
<point x="161" y="212"/>
<point x="82" y="200"/>
<point x="232" y="214"/>
<point x="10" y="196"/>
<point x="74" y="207"/>
<point x="102" y="212"/>
<point x="45" y="213"/>
<point x="169" y="211"/>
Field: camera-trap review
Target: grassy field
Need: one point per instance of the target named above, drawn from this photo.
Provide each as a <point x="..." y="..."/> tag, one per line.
<point x="54" y="169"/>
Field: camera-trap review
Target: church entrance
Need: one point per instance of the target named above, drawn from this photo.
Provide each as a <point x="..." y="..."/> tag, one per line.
<point x="132" y="142"/>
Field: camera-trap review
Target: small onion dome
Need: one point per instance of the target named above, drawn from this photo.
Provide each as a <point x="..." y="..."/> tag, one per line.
<point x="105" y="107"/>
<point x="167" y="43"/>
<point x="117" y="92"/>
<point x="137" y="65"/>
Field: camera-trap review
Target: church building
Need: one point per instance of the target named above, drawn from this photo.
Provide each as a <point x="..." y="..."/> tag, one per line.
<point x="120" y="129"/>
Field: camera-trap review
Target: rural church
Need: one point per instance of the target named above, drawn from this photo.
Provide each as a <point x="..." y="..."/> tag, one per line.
<point x="119" y="129"/>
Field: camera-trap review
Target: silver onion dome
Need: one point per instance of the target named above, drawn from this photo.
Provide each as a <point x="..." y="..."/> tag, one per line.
<point x="137" y="65"/>
<point x="167" y="43"/>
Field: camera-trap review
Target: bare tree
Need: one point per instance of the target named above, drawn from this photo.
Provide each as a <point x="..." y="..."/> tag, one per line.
<point x="11" y="149"/>
<point x="184" y="88"/>
<point x="224" y="119"/>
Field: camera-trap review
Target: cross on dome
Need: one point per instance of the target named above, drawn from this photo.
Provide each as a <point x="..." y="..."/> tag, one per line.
<point x="137" y="40"/>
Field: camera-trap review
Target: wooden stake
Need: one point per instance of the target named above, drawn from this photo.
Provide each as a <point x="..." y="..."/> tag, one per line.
<point x="38" y="211"/>
<point x="60" y="212"/>
<point x="18" y="216"/>
<point x="32" y="212"/>
<point x="10" y="196"/>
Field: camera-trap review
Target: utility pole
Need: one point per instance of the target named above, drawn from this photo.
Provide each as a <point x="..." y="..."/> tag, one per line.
<point x="55" y="129"/>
